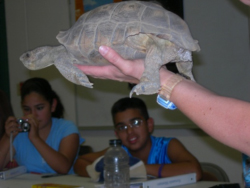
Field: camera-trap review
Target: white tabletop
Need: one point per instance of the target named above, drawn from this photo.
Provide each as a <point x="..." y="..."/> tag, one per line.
<point x="27" y="180"/>
<point x="202" y="184"/>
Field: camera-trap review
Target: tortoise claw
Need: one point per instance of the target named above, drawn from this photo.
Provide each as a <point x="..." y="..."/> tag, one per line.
<point x="145" y="89"/>
<point x="136" y="90"/>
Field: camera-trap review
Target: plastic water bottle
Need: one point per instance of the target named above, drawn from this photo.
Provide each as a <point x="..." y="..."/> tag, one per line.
<point x="246" y="170"/>
<point x="116" y="166"/>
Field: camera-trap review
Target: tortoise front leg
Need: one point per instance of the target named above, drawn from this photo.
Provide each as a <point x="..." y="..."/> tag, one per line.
<point x="150" y="80"/>
<point x="157" y="55"/>
<point x="65" y="65"/>
<point x="186" y="68"/>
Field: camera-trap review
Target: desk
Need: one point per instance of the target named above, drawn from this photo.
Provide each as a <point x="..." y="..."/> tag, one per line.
<point x="202" y="184"/>
<point x="27" y="180"/>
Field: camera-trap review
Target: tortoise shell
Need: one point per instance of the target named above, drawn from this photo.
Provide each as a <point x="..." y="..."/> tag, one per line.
<point x="113" y="24"/>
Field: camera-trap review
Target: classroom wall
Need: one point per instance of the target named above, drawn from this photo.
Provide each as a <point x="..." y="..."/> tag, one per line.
<point x="33" y="23"/>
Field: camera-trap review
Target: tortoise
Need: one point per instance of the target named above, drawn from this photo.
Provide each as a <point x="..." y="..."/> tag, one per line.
<point x="134" y="29"/>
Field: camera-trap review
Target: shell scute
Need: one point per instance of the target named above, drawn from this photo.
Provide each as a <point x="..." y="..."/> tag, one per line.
<point x="86" y="39"/>
<point x="104" y="33"/>
<point x="118" y="34"/>
<point x="99" y="14"/>
<point x="126" y="12"/>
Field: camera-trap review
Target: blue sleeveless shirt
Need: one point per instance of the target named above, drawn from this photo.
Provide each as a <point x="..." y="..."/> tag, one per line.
<point x="158" y="153"/>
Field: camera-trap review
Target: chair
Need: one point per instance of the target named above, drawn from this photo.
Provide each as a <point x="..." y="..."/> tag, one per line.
<point x="85" y="149"/>
<point x="212" y="172"/>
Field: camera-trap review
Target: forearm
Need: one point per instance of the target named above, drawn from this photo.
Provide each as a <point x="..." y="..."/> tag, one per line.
<point x="55" y="159"/>
<point x="4" y="151"/>
<point x="83" y="161"/>
<point x="221" y="117"/>
<point x="80" y="167"/>
<point x="174" y="169"/>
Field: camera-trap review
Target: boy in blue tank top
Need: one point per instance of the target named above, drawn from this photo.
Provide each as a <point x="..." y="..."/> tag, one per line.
<point x="163" y="157"/>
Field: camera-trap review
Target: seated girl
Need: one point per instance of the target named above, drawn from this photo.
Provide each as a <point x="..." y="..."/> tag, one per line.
<point x="52" y="143"/>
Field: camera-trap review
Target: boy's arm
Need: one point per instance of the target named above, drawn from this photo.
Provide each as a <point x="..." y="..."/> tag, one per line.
<point x="183" y="162"/>
<point x="83" y="161"/>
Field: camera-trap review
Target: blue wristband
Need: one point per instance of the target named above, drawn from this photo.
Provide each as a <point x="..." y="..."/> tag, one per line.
<point x="159" y="171"/>
<point x="166" y="104"/>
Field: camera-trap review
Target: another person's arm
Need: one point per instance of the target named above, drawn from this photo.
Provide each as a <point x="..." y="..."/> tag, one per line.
<point x="183" y="162"/>
<point x="225" y="119"/>
<point x="10" y="126"/>
<point x="83" y="161"/>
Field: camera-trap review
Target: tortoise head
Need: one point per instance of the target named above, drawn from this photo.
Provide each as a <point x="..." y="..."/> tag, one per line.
<point x="37" y="58"/>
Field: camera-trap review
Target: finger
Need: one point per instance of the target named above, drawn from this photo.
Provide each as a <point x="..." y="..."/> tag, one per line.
<point x="127" y="67"/>
<point x="31" y="121"/>
<point x="95" y="71"/>
<point x="11" y="124"/>
<point x="111" y="55"/>
<point x="10" y="119"/>
<point x="247" y="2"/>
<point x="100" y="72"/>
<point x="12" y="129"/>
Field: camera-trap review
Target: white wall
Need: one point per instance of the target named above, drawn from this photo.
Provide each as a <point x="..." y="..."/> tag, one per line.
<point x="222" y="29"/>
<point x="32" y="23"/>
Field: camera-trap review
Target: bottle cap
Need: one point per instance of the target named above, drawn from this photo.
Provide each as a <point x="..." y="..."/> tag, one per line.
<point x="115" y="142"/>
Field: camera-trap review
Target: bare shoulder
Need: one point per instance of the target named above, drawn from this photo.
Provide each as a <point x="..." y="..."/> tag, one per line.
<point x="177" y="150"/>
<point x="175" y="143"/>
<point x="175" y="147"/>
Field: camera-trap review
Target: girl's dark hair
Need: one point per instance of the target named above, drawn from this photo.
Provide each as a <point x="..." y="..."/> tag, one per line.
<point x="128" y="103"/>
<point x="5" y="111"/>
<point x="42" y="87"/>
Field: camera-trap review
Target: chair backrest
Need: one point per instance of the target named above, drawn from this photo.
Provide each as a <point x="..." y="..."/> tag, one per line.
<point x="84" y="149"/>
<point x="211" y="171"/>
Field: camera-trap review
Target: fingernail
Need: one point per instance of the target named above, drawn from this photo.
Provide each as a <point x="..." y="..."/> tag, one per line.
<point x="103" y="50"/>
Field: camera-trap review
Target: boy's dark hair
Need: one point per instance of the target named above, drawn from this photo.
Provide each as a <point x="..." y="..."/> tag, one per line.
<point x="128" y="103"/>
<point x="42" y="87"/>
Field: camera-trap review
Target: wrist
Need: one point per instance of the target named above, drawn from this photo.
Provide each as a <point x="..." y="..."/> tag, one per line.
<point x="35" y="139"/>
<point x="160" y="170"/>
<point x="165" y="75"/>
<point x="167" y="87"/>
